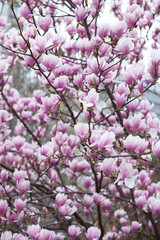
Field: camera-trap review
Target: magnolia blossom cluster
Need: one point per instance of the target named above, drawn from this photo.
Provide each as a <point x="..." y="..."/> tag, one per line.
<point x="79" y="154"/>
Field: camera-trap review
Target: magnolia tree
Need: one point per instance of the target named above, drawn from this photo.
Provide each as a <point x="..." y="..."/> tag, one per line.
<point x="79" y="162"/>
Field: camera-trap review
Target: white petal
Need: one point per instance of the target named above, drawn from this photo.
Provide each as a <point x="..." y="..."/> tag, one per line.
<point x="153" y="132"/>
<point x="89" y="105"/>
<point x="129" y="182"/>
<point x="118" y="178"/>
<point x="73" y="210"/>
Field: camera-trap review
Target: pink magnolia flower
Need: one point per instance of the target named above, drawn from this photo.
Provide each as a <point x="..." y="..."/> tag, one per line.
<point x="156" y="149"/>
<point x="134" y="12"/>
<point x="50" y="103"/>
<point x="92" y="101"/>
<point x="110" y="235"/>
<point x="108" y="166"/>
<point x="129" y="76"/>
<point x="125" y="45"/>
<point x="97" y="66"/>
<point x="23" y="186"/>
<point x="33" y="231"/>
<point x="126" y="174"/>
<point x="5" y="116"/>
<point x="50" y="62"/>
<point x="119" y="213"/>
<point x="119" y="28"/>
<point x="7" y="235"/>
<point x="117" y="129"/>
<point x="78" y="80"/>
<point x="3" y="175"/>
<point x="140" y="86"/>
<point x="154" y="204"/>
<point x="60" y="138"/>
<point x="25" y="11"/>
<point x="46" y="235"/>
<point x="71" y="29"/>
<point x="66" y="210"/>
<point x="92" y="80"/>
<point x="62" y="127"/>
<point x="145" y="106"/>
<point x="106" y="204"/>
<point x="38" y="95"/>
<point x="17" y="236"/>
<point x="122" y="88"/>
<point x="18" y="142"/>
<point x="135" y="144"/>
<point x="45" y="22"/>
<point x="2" y="21"/>
<point x="153" y="124"/>
<point x="120" y="99"/>
<point x="81" y="13"/>
<point x="73" y="231"/>
<point x="87" y="181"/>
<point x="73" y="141"/>
<point x="73" y="165"/>
<point x="60" y="199"/>
<point x="143" y="147"/>
<point x="11" y="215"/>
<point x="135" y="226"/>
<point x="83" y="165"/>
<point x="10" y="158"/>
<point x="140" y="201"/>
<point x="53" y="131"/>
<point x="18" y="175"/>
<point x="93" y="233"/>
<point x="138" y="70"/>
<point x="86" y="212"/>
<point x="133" y="123"/>
<point x="82" y="131"/>
<point x="131" y="19"/>
<point x="84" y="45"/>
<point x="3" y="67"/>
<point x="19" y="204"/>
<point x="26" y="115"/>
<point x="88" y="200"/>
<point x="125" y="229"/>
<point x="61" y="83"/>
<point x="28" y="152"/>
<point x="29" y="61"/>
<point x="97" y="198"/>
<point x="93" y="65"/>
<point x="106" y="140"/>
<point x="103" y="30"/>
<point x="155" y="56"/>
<point x="95" y="41"/>
<point x="143" y="176"/>
<point x="3" y="207"/>
<point x="133" y="105"/>
<point x="20" y="41"/>
<point x="40" y="43"/>
<point x="104" y="49"/>
<point x="31" y="31"/>
<point x="46" y="150"/>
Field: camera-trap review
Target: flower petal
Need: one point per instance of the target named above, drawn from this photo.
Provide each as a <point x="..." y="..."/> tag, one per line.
<point x="129" y="182"/>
